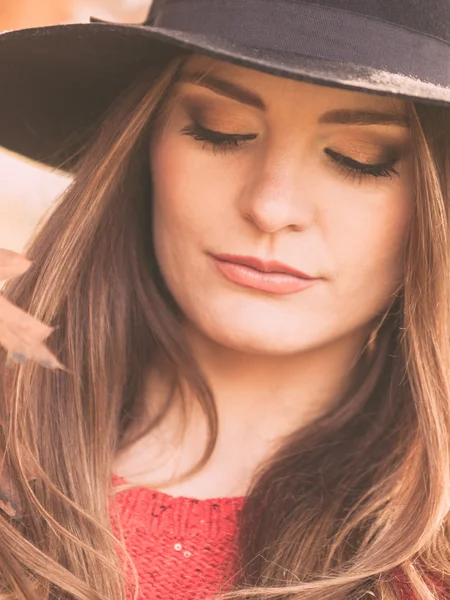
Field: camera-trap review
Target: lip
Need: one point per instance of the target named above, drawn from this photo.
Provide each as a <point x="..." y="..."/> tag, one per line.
<point x="268" y="276"/>
<point x="265" y="266"/>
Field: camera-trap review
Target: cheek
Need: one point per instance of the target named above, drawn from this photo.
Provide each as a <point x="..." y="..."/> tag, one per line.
<point x="192" y="205"/>
<point x="368" y="242"/>
<point x="178" y="194"/>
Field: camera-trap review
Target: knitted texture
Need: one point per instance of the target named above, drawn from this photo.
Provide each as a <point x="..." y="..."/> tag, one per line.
<point x="182" y="548"/>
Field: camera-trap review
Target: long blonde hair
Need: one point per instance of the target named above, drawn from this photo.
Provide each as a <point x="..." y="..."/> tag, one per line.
<point x="353" y="506"/>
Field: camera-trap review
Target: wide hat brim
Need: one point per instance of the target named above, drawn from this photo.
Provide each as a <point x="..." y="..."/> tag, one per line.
<point x="58" y="81"/>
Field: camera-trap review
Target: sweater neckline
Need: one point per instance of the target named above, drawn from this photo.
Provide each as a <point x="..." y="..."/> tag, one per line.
<point x="166" y="498"/>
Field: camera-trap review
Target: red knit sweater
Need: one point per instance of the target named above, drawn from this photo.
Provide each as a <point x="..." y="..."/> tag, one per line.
<point x="182" y="548"/>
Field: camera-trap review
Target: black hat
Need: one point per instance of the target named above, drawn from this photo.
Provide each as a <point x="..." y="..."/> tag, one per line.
<point x="57" y="81"/>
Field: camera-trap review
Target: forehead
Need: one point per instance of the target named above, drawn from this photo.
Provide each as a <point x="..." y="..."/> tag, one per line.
<point x="274" y="89"/>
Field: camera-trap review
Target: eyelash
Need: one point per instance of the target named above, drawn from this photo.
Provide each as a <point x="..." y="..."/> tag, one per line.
<point x="227" y="142"/>
<point x="220" y="141"/>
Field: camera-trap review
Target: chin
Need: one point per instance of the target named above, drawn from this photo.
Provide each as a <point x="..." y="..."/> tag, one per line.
<point x="265" y="337"/>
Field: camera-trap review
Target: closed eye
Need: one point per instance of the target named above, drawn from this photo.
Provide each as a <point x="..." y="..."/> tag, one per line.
<point x="385" y="169"/>
<point x="219" y="140"/>
<point x="232" y="141"/>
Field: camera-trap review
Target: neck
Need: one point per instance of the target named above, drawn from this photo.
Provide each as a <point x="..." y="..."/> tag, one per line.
<point x="260" y="400"/>
<point x="285" y="389"/>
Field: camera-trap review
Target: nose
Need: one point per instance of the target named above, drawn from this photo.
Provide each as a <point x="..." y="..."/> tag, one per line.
<point x="276" y="198"/>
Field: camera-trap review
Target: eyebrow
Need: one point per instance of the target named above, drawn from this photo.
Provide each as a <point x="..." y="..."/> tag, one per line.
<point x="224" y="88"/>
<point x="342" y="116"/>
<point x="364" y="117"/>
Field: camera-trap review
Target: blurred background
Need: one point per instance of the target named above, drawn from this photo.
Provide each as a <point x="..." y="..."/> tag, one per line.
<point x="28" y="190"/>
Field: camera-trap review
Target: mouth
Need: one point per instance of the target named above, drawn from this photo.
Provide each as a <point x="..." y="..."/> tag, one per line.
<point x="267" y="276"/>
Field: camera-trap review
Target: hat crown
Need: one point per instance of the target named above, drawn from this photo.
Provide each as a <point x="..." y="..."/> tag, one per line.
<point x="63" y="79"/>
<point x="431" y="17"/>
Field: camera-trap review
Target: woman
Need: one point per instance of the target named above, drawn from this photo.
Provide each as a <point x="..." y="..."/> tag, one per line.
<point x="249" y="282"/>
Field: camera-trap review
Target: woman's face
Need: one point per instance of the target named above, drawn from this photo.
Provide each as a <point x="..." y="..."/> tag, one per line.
<point x="295" y="173"/>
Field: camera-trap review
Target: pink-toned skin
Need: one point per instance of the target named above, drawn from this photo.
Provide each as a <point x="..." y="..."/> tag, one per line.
<point x="277" y="355"/>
